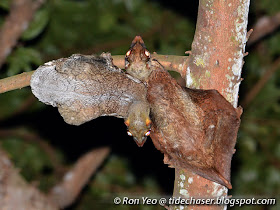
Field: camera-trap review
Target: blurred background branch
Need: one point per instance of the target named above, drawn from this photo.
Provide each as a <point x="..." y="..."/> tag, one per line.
<point x="66" y="192"/>
<point x="261" y="83"/>
<point x="264" y="27"/>
<point x="15" y="192"/>
<point x="21" y="13"/>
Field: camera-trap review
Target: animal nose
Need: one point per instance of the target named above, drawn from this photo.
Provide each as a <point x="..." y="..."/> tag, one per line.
<point x="140" y="142"/>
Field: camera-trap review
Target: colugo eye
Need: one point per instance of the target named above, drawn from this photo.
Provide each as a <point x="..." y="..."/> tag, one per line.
<point x="147" y="53"/>
<point x="128" y="53"/>
<point x="147" y="133"/>
<point x="129" y="133"/>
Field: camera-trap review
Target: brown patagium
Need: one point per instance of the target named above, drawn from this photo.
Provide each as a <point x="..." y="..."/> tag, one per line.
<point x="195" y="129"/>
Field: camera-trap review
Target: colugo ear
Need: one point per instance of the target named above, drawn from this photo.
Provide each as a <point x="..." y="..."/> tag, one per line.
<point x="126" y="122"/>
<point x="148" y="121"/>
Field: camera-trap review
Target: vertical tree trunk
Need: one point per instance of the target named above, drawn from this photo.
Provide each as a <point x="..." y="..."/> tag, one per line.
<point x="215" y="62"/>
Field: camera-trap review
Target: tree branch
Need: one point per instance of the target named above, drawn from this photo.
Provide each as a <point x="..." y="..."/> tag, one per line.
<point x="65" y="193"/>
<point x="16" y="23"/>
<point x="15" y="82"/>
<point x="215" y="63"/>
<point x="170" y="62"/>
<point x="15" y="193"/>
<point x="261" y="83"/>
<point x="263" y="27"/>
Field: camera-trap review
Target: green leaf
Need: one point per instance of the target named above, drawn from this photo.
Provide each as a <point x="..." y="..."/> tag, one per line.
<point x="22" y="59"/>
<point x="11" y="101"/>
<point x="5" y="4"/>
<point x="106" y="22"/>
<point x="27" y="156"/>
<point x="269" y="6"/>
<point x="38" y="24"/>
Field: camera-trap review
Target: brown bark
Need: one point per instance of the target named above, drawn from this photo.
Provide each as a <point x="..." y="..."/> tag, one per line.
<point x="14" y="188"/>
<point x="66" y="192"/>
<point x="15" y="82"/>
<point x="188" y="184"/>
<point x="15" y="193"/>
<point x="218" y="47"/>
<point x="215" y="63"/>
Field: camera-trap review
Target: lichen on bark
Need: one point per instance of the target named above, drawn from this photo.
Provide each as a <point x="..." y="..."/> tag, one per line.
<point x="215" y="62"/>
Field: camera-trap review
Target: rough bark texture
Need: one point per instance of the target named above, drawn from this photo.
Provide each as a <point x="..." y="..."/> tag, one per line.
<point x="218" y="47"/>
<point x="15" y="193"/>
<point x="215" y="63"/>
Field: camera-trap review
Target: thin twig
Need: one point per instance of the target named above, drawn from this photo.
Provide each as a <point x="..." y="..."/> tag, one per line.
<point x="170" y="62"/>
<point x="16" y="23"/>
<point x="65" y="193"/>
<point x="261" y="83"/>
<point x="15" y="82"/>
